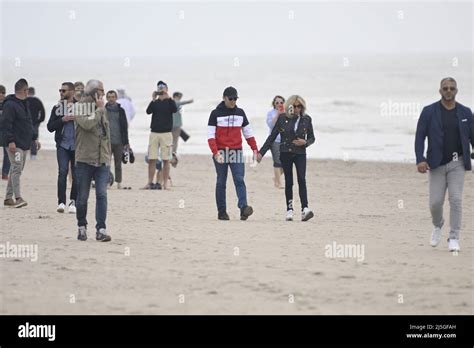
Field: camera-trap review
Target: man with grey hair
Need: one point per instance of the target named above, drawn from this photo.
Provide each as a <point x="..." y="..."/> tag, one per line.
<point x="449" y="127"/>
<point x="92" y="158"/>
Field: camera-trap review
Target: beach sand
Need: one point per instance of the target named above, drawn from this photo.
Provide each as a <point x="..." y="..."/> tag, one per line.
<point x="170" y="255"/>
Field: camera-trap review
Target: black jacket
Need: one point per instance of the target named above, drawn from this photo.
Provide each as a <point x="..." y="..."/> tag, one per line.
<point x="288" y="134"/>
<point x="162" y="115"/>
<point x="36" y="108"/>
<point x="17" y="124"/>
<point x="123" y="124"/>
<point x="2" y="137"/>
<point x="55" y="122"/>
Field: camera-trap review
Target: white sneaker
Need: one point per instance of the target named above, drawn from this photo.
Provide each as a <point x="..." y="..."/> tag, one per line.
<point x="453" y="245"/>
<point x="435" y="236"/>
<point x="72" y="207"/>
<point x="306" y="214"/>
<point x="289" y="215"/>
<point x="61" y="208"/>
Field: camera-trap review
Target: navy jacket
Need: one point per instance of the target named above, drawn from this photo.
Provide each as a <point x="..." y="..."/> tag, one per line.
<point x="17" y="123"/>
<point x="55" y="122"/>
<point x="430" y="125"/>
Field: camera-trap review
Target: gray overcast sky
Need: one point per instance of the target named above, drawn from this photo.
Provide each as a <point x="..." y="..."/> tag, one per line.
<point x="92" y="29"/>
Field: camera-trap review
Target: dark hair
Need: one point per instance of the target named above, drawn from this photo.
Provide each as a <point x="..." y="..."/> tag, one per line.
<point x="31" y="90"/>
<point x="3" y="89"/>
<point x="177" y="94"/>
<point x="112" y="92"/>
<point x="20" y="85"/>
<point x="69" y="85"/>
<point x="448" y="79"/>
<point x="275" y="98"/>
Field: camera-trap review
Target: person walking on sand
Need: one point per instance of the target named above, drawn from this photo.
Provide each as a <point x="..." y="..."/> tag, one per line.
<point x="38" y="114"/>
<point x="6" y="161"/>
<point x="225" y="125"/>
<point x="118" y="133"/>
<point x="178" y="119"/>
<point x="161" y="108"/>
<point x="92" y="158"/>
<point x="61" y="122"/>
<point x="272" y="116"/>
<point x="296" y="131"/>
<point x="18" y="132"/>
<point x="449" y="127"/>
<point x="126" y="103"/>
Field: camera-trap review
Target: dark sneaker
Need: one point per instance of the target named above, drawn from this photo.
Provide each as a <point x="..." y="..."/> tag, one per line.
<point x="82" y="233"/>
<point x="156" y="186"/>
<point x="306" y="214"/>
<point x="102" y="236"/>
<point x="245" y="212"/>
<point x="223" y="216"/>
<point x="20" y="202"/>
<point x="9" y="202"/>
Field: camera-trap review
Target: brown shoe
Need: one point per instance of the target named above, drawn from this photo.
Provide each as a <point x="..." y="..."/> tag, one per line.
<point x="9" y="202"/>
<point x="20" y="203"/>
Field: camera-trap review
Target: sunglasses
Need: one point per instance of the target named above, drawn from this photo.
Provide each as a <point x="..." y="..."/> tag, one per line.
<point x="449" y="88"/>
<point x="63" y="90"/>
<point x="233" y="99"/>
<point x="298" y="106"/>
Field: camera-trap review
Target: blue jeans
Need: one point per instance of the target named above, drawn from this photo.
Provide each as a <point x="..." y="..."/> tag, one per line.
<point x="237" y="167"/>
<point x="6" y="163"/>
<point x="84" y="175"/>
<point x="65" y="157"/>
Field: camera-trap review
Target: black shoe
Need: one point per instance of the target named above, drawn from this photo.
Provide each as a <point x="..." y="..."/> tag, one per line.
<point x="245" y="212"/>
<point x="156" y="186"/>
<point x="82" y="233"/>
<point x="102" y="236"/>
<point x="223" y="216"/>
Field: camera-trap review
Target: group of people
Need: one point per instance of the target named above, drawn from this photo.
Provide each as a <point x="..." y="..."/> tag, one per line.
<point x="89" y="132"/>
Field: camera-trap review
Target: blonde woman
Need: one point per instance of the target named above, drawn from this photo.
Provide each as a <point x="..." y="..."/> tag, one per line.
<point x="296" y="132"/>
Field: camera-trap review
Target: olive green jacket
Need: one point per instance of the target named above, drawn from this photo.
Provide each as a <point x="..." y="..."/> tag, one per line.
<point x="91" y="146"/>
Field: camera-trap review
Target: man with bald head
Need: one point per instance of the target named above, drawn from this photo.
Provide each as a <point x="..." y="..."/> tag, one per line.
<point x="449" y="127"/>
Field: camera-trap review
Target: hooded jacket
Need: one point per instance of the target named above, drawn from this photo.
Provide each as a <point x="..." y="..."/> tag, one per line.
<point x="17" y="125"/>
<point x="224" y="128"/>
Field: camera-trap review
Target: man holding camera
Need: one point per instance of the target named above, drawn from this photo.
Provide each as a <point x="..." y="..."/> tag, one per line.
<point x="161" y="108"/>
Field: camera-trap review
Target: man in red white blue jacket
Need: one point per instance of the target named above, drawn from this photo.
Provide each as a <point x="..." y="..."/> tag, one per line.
<point x="226" y="122"/>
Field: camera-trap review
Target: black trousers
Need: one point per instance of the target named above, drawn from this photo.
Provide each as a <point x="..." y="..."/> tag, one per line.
<point x="299" y="160"/>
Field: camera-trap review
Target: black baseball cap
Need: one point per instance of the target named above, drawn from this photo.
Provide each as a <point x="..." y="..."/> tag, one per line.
<point x="230" y="92"/>
<point x="161" y="84"/>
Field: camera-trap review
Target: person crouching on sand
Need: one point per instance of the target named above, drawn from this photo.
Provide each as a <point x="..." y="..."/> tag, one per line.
<point x="296" y="132"/>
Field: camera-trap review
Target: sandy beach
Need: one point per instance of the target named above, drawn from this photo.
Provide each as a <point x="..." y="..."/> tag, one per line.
<point x="170" y="255"/>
